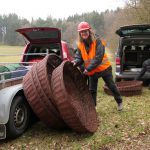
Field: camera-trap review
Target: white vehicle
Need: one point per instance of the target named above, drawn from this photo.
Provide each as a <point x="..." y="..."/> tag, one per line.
<point x="15" y="112"/>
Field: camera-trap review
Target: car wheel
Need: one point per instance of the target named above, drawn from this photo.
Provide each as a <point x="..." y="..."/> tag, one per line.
<point x="18" y="117"/>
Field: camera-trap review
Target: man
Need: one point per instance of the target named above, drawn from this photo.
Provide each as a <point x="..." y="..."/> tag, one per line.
<point x="91" y="52"/>
<point x="145" y="68"/>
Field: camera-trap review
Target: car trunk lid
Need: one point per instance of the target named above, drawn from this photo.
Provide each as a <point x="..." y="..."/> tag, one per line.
<point x="41" y="34"/>
<point x="134" y="30"/>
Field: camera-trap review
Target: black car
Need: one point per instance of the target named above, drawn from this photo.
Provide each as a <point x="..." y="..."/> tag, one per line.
<point x="133" y="50"/>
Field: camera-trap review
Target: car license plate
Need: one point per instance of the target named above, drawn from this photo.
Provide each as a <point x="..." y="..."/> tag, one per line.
<point x="2" y="131"/>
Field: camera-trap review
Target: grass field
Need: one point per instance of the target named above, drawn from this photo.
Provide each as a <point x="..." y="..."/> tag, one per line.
<point x="126" y="130"/>
<point x="10" y="50"/>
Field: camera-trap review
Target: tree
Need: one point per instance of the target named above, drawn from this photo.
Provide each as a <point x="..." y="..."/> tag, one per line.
<point x="11" y="23"/>
<point x="140" y="10"/>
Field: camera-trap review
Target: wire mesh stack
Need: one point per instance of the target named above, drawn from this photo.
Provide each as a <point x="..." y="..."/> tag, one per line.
<point x="59" y="95"/>
<point x="127" y="88"/>
<point x="37" y="89"/>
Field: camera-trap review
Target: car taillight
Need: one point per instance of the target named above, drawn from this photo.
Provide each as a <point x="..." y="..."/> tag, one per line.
<point x="117" y="60"/>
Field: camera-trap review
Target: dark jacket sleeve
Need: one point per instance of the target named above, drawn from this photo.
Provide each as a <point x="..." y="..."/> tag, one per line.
<point x="142" y="72"/>
<point x="100" y="50"/>
<point x="146" y="65"/>
<point x="78" y="57"/>
<point x="144" y="69"/>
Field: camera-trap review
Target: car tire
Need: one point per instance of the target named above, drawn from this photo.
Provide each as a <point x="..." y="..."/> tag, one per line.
<point x="18" y="118"/>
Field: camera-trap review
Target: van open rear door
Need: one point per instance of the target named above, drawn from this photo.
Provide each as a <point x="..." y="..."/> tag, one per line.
<point x="134" y="30"/>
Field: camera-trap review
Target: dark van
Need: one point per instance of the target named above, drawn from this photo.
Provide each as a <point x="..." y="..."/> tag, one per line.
<point x="133" y="50"/>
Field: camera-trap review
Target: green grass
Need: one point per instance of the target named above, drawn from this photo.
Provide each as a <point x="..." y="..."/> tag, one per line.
<point x="10" y="50"/>
<point x="129" y="129"/>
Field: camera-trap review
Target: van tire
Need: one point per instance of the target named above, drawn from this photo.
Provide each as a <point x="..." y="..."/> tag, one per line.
<point x="18" y="118"/>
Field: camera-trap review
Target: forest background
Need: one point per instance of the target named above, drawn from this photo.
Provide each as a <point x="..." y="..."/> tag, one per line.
<point x="104" y="24"/>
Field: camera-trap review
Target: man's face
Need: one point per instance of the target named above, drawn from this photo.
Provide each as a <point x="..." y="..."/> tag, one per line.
<point x="84" y="34"/>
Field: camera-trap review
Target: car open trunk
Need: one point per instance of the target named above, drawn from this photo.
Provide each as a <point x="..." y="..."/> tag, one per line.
<point x="43" y="41"/>
<point x="135" y="52"/>
<point x="39" y="51"/>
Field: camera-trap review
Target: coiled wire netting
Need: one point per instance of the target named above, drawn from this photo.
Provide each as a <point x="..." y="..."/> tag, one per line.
<point x="59" y="95"/>
<point x="127" y="88"/>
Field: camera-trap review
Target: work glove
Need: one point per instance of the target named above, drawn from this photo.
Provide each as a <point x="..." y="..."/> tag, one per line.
<point x="75" y="64"/>
<point x="85" y="72"/>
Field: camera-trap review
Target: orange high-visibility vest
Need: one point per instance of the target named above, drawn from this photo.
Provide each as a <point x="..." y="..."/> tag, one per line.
<point x="88" y="57"/>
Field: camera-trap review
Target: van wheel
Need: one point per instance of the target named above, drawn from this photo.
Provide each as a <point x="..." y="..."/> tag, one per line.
<point x="18" y="117"/>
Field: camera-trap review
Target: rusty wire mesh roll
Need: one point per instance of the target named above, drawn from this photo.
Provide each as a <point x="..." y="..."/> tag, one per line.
<point x="73" y="98"/>
<point x="41" y="102"/>
<point x="33" y="98"/>
<point x="44" y="72"/>
<point x="55" y="116"/>
<point x="127" y="88"/>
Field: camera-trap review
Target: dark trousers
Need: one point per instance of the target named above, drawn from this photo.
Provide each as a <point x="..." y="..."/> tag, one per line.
<point x="108" y="78"/>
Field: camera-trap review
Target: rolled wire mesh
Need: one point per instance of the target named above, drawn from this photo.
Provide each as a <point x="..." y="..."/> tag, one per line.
<point x="73" y="98"/>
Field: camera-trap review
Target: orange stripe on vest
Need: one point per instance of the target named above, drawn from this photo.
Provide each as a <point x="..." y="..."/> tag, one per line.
<point x="88" y="57"/>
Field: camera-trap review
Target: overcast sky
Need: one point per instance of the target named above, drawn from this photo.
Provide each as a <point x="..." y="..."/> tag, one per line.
<point x="55" y="8"/>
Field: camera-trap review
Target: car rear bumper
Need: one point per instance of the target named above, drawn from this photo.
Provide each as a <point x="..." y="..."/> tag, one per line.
<point x="131" y="75"/>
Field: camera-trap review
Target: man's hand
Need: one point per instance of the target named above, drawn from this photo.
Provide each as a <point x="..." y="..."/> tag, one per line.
<point x="74" y="63"/>
<point x="85" y="72"/>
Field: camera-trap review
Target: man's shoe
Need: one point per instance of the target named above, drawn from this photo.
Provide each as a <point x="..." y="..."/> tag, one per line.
<point x="120" y="107"/>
